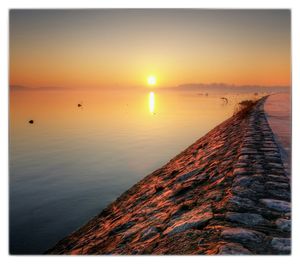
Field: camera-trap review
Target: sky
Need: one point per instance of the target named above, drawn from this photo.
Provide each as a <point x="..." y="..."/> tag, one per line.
<point x="106" y="48"/>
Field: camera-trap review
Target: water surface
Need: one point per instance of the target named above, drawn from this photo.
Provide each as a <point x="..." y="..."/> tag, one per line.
<point x="73" y="161"/>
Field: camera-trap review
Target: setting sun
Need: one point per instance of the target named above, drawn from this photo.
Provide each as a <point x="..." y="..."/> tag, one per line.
<point x="151" y="80"/>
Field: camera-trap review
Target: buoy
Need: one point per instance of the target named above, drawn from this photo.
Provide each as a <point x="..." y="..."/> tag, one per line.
<point x="31" y="121"/>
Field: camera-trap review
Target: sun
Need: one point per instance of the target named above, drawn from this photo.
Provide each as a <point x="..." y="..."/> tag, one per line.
<point x="151" y="80"/>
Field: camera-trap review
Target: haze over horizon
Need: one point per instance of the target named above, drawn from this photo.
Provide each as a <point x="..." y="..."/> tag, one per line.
<point x="99" y="48"/>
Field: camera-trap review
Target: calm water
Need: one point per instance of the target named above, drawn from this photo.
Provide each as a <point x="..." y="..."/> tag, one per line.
<point x="72" y="162"/>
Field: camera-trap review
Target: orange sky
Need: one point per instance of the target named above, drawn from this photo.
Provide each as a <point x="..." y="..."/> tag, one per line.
<point x="98" y="48"/>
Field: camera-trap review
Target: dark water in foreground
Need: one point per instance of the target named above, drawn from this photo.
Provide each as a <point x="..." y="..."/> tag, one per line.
<point x="73" y="161"/>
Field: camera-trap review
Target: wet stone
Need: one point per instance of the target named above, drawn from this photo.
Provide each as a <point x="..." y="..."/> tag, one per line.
<point x="243" y="235"/>
<point x="233" y="249"/>
<point x="248" y="219"/>
<point x="283" y="224"/>
<point x="282" y="245"/>
<point x="278" y="205"/>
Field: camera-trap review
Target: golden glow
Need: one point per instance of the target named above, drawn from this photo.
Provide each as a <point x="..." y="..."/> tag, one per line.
<point x="151" y="102"/>
<point x="188" y="48"/>
<point x="151" y="80"/>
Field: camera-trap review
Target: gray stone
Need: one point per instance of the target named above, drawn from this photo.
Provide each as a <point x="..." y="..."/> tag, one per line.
<point x="233" y="249"/>
<point x="236" y="202"/>
<point x="283" y="224"/>
<point x="280" y="194"/>
<point x="244" y="192"/>
<point x="275" y="165"/>
<point x="242" y="235"/>
<point x="246" y="218"/>
<point x="245" y="151"/>
<point x="277" y="205"/>
<point x="282" y="245"/>
<point x="243" y="181"/>
<point x="275" y="185"/>
<point x="277" y="178"/>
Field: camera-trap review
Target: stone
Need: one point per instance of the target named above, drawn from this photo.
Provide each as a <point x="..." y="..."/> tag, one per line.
<point x="233" y="249"/>
<point x="280" y="194"/>
<point x="243" y="158"/>
<point x="244" y="192"/>
<point x="282" y="245"/>
<point x="277" y="205"/>
<point x="275" y="185"/>
<point x="193" y="219"/>
<point x="245" y="151"/>
<point x="190" y="174"/>
<point x="240" y="171"/>
<point x="243" y="181"/>
<point x="278" y="178"/>
<point x="243" y="235"/>
<point x="283" y="224"/>
<point x="149" y="233"/>
<point x="248" y="219"/>
<point x="236" y="203"/>
<point x="275" y="165"/>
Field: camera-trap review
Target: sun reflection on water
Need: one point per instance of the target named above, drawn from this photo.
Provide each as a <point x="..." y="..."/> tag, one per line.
<point x="151" y="102"/>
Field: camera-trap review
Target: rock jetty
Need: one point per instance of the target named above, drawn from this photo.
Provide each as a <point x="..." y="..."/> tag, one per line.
<point x="227" y="193"/>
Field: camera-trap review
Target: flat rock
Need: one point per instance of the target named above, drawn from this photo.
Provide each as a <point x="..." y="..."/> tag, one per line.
<point x="236" y="203"/>
<point x="243" y="235"/>
<point x="277" y="205"/>
<point x="283" y="224"/>
<point x="190" y="174"/>
<point x="192" y="219"/>
<point x="246" y="218"/>
<point x="276" y="185"/>
<point x="240" y="171"/>
<point x="233" y="249"/>
<point x="282" y="245"/>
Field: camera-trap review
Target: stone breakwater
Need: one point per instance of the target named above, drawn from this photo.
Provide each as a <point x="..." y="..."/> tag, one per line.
<point x="227" y="193"/>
